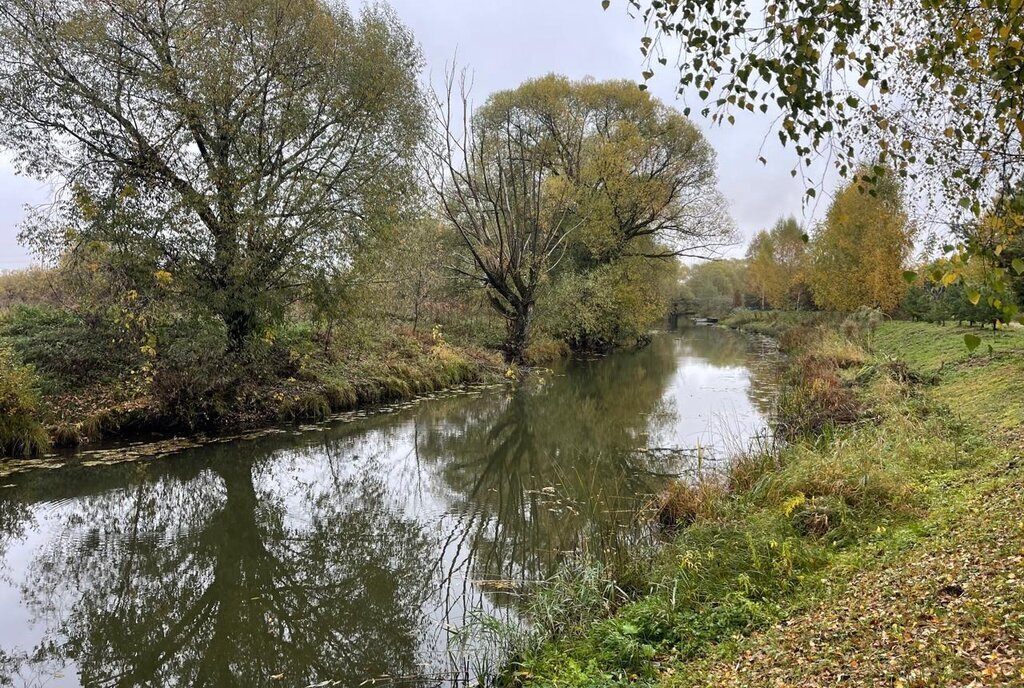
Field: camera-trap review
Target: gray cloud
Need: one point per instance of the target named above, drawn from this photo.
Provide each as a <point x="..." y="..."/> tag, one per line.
<point x="505" y="42"/>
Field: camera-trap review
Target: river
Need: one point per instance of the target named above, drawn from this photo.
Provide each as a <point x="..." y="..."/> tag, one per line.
<point x="362" y="548"/>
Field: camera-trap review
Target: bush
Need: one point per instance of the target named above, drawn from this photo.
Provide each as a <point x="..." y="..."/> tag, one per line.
<point x="609" y="306"/>
<point x="20" y="433"/>
<point x="193" y="375"/>
<point x="814" y="398"/>
<point x="68" y="350"/>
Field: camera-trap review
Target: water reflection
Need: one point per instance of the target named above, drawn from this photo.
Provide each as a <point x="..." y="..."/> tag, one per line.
<point x="341" y="555"/>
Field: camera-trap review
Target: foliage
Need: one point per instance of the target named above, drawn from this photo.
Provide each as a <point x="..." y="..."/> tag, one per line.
<point x="642" y="175"/>
<point x="777" y="264"/>
<point x="609" y="305"/>
<point x="70" y="350"/>
<point x="194" y="374"/>
<point x="761" y="266"/>
<point x="860" y="251"/>
<point x="930" y="88"/>
<point x="716" y="287"/>
<point x="20" y="432"/>
<point x="241" y="147"/>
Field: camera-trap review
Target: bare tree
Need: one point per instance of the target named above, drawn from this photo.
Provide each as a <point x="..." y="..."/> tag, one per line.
<point x="495" y="182"/>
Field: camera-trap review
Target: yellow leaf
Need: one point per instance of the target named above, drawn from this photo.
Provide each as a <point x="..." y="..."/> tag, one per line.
<point x="792" y="503"/>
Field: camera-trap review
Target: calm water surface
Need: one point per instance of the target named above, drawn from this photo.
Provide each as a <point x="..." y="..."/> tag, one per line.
<point x="356" y="550"/>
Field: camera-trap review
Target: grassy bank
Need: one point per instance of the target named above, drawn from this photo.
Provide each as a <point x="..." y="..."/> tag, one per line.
<point x="65" y="382"/>
<point x="871" y="549"/>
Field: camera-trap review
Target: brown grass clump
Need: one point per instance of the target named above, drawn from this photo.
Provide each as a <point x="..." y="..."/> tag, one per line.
<point x="747" y="469"/>
<point x="818" y="516"/>
<point x="815" y="397"/>
<point x="799" y="337"/>
<point x="680" y="504"/>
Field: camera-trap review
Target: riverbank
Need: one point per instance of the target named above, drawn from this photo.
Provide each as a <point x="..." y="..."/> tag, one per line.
<point x="877" y="547"/>
<point x="296" y="379"/>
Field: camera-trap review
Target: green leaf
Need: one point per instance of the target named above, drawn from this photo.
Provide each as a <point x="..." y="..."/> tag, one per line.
<point x="1018" y="266"/>
<point x="909" y="276"/>
<point x="974" y="296"/>
<point x="805" y="238"/>
<point x="605" y="3"/>
<point x="972" y="342"/>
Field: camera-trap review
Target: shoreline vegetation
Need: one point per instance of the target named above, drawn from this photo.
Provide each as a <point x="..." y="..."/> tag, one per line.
<point x="875" y="545"/>
<point x="296" y="377"/>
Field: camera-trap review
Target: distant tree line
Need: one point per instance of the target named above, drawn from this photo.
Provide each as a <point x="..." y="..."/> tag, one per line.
<point x="861" y="256"/>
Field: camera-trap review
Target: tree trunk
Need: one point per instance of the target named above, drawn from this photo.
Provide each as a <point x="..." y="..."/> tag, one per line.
<point x="518" y="335"/>
<point x="240" y="321"/>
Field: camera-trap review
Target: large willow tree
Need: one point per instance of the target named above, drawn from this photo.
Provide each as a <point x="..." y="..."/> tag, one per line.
<point x="643" y="176"/>
<point x="618" y="184"/>
<point x="241" y="145"/>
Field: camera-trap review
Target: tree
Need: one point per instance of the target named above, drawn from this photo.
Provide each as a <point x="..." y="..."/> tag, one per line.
<point x="718" y="286"/>
<point x="644" y="176"/>
<point x="1002" y="252"/>
<point x="789" y="243"/>
<point x="930" y="88"/>
<point x="776" y="261"/>
<point x="639" y="180"/>
<point x="494" y="182"/>
<point x="860" y="251"/>
<point x="761" y="270"/>
<point x="243" y="146"/>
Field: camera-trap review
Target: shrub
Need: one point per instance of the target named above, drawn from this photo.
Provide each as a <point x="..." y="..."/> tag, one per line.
<point x="69" y="350"/>
<point x="608" y="306"/>
<point x="20" y="433"/>
<point x="813" y="397"/>
<point x="193" y="375"/>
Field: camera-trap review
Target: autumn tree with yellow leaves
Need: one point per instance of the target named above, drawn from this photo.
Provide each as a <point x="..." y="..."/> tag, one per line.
<point x="860" y="251"/>
<point x="777" y="264"/>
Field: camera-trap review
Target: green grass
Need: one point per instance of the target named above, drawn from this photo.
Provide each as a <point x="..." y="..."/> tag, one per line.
<point x="930" y="348"/>
<point x="784" y="534"/>
<point x="982" y="385"/>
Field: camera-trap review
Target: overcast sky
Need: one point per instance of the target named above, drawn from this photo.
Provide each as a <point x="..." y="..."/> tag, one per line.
<point x="505" y="42"/>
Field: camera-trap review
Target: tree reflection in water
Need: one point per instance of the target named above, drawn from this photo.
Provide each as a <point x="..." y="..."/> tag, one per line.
<point x="233" y="575"/>
<point x="343" y="554"/>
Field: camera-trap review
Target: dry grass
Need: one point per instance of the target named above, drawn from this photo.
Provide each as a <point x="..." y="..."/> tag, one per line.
<point x="681" y="504"/>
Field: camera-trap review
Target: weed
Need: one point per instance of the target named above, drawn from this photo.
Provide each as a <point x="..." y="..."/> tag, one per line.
<point x="20" y="433"/>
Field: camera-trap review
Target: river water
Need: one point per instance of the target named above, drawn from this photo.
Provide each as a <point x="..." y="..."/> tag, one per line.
<point x="364" y="548"/>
